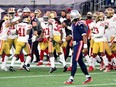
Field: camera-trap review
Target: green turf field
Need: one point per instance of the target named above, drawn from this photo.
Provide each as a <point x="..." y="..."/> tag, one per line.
<point x="39" y="77"/>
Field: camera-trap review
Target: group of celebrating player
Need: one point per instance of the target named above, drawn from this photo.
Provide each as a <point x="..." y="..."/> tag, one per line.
<point x="15" y="32"/>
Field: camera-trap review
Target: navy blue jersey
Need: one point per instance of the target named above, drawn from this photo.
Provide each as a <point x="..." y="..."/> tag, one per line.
<point x="78" y="31"/>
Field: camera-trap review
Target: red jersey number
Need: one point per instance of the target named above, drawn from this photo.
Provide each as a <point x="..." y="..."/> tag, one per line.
<point x="21" y="31"/>
<point x="46" y="31"/>
<point x="95" y="30"/>
<point x="57" y="27"/>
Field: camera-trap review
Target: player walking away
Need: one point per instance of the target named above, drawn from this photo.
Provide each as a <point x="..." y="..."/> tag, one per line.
<point x="79" y="41"/>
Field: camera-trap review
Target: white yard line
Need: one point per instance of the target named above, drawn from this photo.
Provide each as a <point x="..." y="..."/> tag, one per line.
<point x="36" y="76"/>
<point x="91" y="85"/>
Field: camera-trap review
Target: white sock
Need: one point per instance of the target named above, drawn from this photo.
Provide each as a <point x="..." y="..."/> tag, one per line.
<point x="52" y="62"/>
<point x="4" y="63"/>
<point x="22" y="63"/>
<point x="71" y="61"/>
<point x="98" y="59"/>
<point x="28" y="59"/>
<point x="13" y="60"/>
<point x="62" y="59"/>
<point x="88" y="59"/>
<point x="71" y="77"/>
<point x="93" y="62"/>
<point x="87" y="76"/>
<point x="105" y="60"/>
<point x="113" y="61"/>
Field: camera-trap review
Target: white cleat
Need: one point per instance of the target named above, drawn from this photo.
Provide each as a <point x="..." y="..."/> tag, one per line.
<point x="4" y="69"/>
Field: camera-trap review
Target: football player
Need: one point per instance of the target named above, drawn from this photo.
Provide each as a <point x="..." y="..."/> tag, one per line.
<point x="79" y="41"/>
<point x="55" y="41"/>
<point x="4" y="46"/>
<point x="23" y="30"/>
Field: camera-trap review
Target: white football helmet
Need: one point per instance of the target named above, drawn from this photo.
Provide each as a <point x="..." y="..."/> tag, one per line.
<point x="11" y="10"/>
<point x="26" y="9"/>
<point x="74" y="14"/>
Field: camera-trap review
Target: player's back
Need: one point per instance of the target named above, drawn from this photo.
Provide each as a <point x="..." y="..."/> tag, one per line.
<point x="22" y="29"/>
<point x="78" y="30"/>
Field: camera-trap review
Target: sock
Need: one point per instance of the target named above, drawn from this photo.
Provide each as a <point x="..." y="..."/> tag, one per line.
<point x="98" y="58"/>
<point x="71" y="61"/>
<point x="28" y="60"/>
<point x="46" y="51"/>
<point x="52" y="62"/>
<point x="71" y="77"/>
<point x="22" y="63"/>
<point x="88" y="59"/>
<point x="105" y="60"/>
<point x="3" y="55"/>
<point x="62" y="59"/>
<point x="13" y="60"/>
<point x="21" y="56"/>
<point x="4" y="63"/>
<point x="87" y="76"/>
<point x="41" y="54"/>
<point x="93" y="62"/>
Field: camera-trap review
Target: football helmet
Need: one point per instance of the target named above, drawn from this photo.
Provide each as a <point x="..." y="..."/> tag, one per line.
<point x="101" y="16"/>
<point x="75" y="14"/>
<point x="26" y="9"/>
<point x="98" y="16"/>
<point x="27" y="20"/>
<point x="109" y="12"/>
<point x="53" y="14"/>
<point x="89" y="15"/>
<point x="11" y="10"/>
<point x="7" y="17"/>
<point x="19" y="12"/>
<point x="37" y="11"/>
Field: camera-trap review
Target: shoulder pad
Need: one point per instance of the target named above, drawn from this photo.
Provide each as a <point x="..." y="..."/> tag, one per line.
<point x="79" y="23"/>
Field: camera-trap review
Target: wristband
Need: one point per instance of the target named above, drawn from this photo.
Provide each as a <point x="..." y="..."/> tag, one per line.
<point x="63" y="40"/>
<point x="85" y="45"/>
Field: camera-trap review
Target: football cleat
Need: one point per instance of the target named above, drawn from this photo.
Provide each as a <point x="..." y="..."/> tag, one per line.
<point x="88" y="80"/>
<point x="102" y="67"/>
<point x="69" y="68"/>
<point x="39" y="63"/>
<point x="26" y="68"/>
<point x="107" y="69"/>
<point x="90" y="69"/>
<point x="70" y="81"/>
<point x="11" y="69"/>
<point x="52" y="70"/>
<point x="4" y="69"/>
<point x="65" y="69"/>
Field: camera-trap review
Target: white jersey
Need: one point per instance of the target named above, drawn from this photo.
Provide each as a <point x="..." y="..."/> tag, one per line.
<point x="91" y="26"/>
<point x="4" y="31"/>
<point x="111" y="23"/>
<point x="46" y="27"/>
<point x="99" y="32"/>
<point x="22" y="29"/>
<point x="56" y="28"/>
<point x="12" y="29"/>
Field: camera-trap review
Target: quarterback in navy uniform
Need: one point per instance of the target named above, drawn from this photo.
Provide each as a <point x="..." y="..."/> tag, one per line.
<point x="79" y="44"/>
